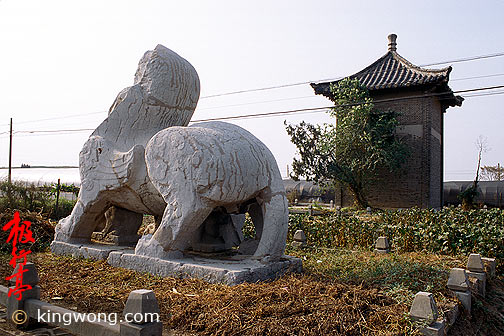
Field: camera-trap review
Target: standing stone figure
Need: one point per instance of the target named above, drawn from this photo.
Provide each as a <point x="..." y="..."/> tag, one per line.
<point x="197" y="180"/>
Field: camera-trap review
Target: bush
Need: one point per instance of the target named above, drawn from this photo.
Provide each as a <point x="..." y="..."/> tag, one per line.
<point x="41" y="227"/>
<point x="448" y="231"/>
<point x="30" y="197"/>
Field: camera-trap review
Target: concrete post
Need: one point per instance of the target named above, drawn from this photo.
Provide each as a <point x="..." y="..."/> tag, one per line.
<point x="299" y="239"/>
<point x="424" y="309"/>
<point x="382" y="245"/>
<point x="142" y="312"/>
<point x="476" y="270"/>
<point x="458" y="283"/>
<point x="489" y="264"/>
<point x="16" y="314"/>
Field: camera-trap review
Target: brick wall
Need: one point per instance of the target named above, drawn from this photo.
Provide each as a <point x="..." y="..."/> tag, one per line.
<point x="420" y="181"/>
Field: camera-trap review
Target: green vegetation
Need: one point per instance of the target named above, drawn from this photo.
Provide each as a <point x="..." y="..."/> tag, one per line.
<point x="450" y="231"/>
<point x="30" y="197"/>
<point x="352" y="151"/>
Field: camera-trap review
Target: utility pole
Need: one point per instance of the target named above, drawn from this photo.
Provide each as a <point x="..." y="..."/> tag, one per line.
<point x="498" y="171"/>
<point x="10" y="153"/>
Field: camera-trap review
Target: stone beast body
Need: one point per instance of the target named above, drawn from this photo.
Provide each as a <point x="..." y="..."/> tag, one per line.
<point x="211" y="165"/>
<point x="143" y="160"/>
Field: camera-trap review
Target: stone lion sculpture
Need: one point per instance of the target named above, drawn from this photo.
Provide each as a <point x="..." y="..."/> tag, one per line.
<point x="197" y="180"/>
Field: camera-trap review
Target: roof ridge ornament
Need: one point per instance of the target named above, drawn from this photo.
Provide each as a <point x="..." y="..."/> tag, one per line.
<point x="392" y="45"/>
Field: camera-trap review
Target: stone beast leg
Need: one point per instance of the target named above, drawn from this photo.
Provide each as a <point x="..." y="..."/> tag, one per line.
<point x="275" y="217"/>
<point x="207" y="165"/>
<point x="108" y="178"/>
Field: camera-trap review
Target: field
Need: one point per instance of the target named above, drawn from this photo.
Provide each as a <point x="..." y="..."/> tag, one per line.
<point x="344" y="290"/>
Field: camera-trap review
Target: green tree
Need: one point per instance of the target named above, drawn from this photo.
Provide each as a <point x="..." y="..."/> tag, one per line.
<point x="354" y="149"/>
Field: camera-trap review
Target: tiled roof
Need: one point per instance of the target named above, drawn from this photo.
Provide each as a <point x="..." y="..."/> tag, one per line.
<point x="392" y="71"/>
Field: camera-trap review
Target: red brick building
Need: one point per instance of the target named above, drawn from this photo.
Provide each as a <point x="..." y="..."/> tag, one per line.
<point x="421" y="96"/>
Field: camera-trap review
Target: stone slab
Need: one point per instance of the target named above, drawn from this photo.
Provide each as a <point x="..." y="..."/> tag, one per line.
<point x="87" y="326"/>
<point x="435" y="329"/>
<point x="489" y="264"/>
<point x="424" y="308"/>
<point x="297" y="244"/>
<point x="480" y="282"/>
<point x="465" y="299"/>
<point x="457" y="280"/>
<point x="230" y="271"/>
<point x="474" y="263"/>
<point x="88" y="251"/>
<point x="382" y="243"/>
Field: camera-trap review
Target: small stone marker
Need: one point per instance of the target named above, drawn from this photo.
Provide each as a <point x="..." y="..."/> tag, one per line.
<point x="30" y="277"/>
<point x="296" y="201"/>
<point x="465" y="299"/>
<point x="382" y="245"/>
<point x="331" y="204"/>
<point x="458" y="280"/>
<point x="299" y="239"/>
<point x="142" y="307"/>
<point x="424" y="308"/>
<point x="489" y="264"/>
<point x="474" y="263"/>
<point x="369" y="210"/>
<point x="477" y="271"/>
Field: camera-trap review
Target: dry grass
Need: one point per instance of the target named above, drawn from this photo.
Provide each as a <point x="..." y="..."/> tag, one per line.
<point x="292" y="305"/>
<point x="341" y="292"/>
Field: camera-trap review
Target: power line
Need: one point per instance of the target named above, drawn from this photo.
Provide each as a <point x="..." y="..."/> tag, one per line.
<point x="258" y="102"/>
<point x="314" y="96"/>
<point x="54" y="131"/>
<point x="58" y="118"/>
<point x="319" y="109"/>
<point x="306" y="110"/>
<point x="466" y="59"/>
<point x="477" y="77"/>
<point x="269" y="101"/>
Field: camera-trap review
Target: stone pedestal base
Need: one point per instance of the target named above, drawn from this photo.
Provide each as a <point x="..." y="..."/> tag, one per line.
<point x="231" y="270"/>
<point x="89" y="251"/>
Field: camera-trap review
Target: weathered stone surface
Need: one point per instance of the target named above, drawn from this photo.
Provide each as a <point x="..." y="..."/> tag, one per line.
<point x="479" y="282"/>
<point x="198" y="181"/>
<point x="231" y="271"/>
<point x="87" y="251"/>
<point x="112" y="162"/>
<point x="474" y="263"/>
<point x="149" y="329"/>
<point x="424" y="308"/>
<point x="144" y="303"/>
<point x="299" y="236"/>
<point x="382" y="243"/>
<point x="490" y="265"/>
<point x="458" y="280"/>
<point x="435" y="329"/>
<point x="30" y="274"/>
<point x="465" y="299"/>
<point x="121" y="227"/>
<point x="210" y="165"/>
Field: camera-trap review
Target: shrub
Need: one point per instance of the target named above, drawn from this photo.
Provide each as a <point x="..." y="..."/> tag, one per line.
<point x="448" y="231"/>
<point x="30" y="197"/>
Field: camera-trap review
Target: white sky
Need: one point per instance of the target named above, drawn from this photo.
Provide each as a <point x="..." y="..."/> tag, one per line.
<point x="62" y="58"/>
